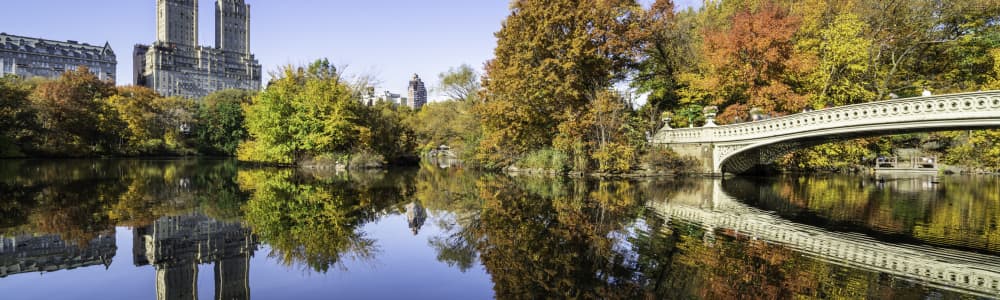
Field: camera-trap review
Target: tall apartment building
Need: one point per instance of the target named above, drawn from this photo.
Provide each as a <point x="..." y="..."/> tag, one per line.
<point x="175" y="65"/>
<point x="34" y="57"/>
<point x="417" y="93"/>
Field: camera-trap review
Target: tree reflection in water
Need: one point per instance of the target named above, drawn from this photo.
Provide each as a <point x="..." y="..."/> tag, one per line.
<point x="561" y="238"/>
<point x="314" y="219"/>
<point x="951" y="211"/>
<point x="81" y="199"/>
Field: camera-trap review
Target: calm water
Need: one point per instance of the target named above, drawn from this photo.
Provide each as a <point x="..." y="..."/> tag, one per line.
<point x="113" y="229"/>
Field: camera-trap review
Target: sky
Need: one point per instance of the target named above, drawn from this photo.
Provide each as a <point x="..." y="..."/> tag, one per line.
<point x="388" y="39"/>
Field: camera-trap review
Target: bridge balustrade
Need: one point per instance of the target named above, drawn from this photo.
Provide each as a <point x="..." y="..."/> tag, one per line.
<point x="932" y="108"/>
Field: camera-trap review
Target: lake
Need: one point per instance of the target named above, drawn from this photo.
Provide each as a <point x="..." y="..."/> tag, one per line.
<point x="214" y="229"/>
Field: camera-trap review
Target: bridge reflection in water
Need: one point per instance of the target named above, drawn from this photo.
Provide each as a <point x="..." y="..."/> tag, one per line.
<point x="175" y="246"/>
<point x="710" y="206"/>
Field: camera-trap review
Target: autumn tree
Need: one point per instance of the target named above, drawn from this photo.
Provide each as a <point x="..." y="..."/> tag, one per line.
<point x="753" y="59"/>
<point x="73" y="116"/>
<point x="552" y="58"/>
<point x="143" y="133"/>
<point x="615" y="132"/>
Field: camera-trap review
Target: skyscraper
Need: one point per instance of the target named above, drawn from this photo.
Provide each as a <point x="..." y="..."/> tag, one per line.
<point x="232" y="26"/>
<point x="175" y="65"/>
<point x="177" y="22"/>
<point x="417" y="93"/>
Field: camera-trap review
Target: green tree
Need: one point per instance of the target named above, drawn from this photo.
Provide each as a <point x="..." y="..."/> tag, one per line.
<point x="220" y="122"/>
<point x="930" y="44"/>
<point x="843" y="58"/>
<point x="385" y="133"/>
<point x="460" y="83"/>
<point x="176" y="117"/>
<point x="667" y="50"/>
<point x="303" y="112"/>
<point x="450" y="123"/>
<point x="311" y="113"/>
<point x="17" y="118"/>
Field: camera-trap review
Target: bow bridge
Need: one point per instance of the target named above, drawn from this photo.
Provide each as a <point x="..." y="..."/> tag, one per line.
<point x="739" y="147"/>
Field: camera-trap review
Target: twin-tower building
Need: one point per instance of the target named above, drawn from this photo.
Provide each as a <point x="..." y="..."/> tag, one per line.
<point x="175" y="65"/>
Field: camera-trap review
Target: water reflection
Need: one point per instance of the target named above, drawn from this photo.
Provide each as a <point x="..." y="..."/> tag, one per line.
<point x="951" y="211"/>
<point x="314" y="219"/>
<point x="527" y="237"/>
<point x="176" y="245"/>
<point x="959" y="271"/>
<point x="49" y="253"/>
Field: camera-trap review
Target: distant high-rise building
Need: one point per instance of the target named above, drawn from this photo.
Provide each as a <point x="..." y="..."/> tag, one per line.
<point x="175" y="65"/>
<point x="417" y="93"/>
<point x="392" y="98"/>
<point x="34" y="57"/>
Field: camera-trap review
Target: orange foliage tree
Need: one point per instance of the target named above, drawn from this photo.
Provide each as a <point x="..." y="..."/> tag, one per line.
<point x="752" y="60"/>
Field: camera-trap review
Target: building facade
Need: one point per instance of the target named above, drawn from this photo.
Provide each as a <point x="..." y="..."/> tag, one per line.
<point x="417" y="93"/>
<point x="175" y="65"/>
<point x="391" y="98"/>
<point x="33" y="57"/>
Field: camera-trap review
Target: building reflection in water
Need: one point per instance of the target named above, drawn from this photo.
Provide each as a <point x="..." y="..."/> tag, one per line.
<point x="49" y="253"/>
<point x="415" y="216"/>
<point x="175" y="246"/>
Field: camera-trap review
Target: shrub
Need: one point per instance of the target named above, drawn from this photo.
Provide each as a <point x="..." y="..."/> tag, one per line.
<point x="366" y="160"/>
<point x="659" y="158"/>
<point x="615" y="158"/>
<point x="545" y="159"/>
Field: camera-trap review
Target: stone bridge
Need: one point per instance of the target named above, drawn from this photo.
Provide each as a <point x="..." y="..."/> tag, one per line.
<point x="942" y="268"/>
<point x="739" y="147"/>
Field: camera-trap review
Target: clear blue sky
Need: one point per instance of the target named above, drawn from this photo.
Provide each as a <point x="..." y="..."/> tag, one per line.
<point x="390" y="39"/>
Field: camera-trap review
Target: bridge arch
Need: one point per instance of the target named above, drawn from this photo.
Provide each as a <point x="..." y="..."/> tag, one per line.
<point x="737" y="148"/>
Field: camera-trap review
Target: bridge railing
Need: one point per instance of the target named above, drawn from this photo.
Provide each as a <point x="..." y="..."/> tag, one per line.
<point x="930" y="108"/>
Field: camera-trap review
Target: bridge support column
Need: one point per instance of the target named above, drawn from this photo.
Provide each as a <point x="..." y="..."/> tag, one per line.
<point x="705" y="155"/>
